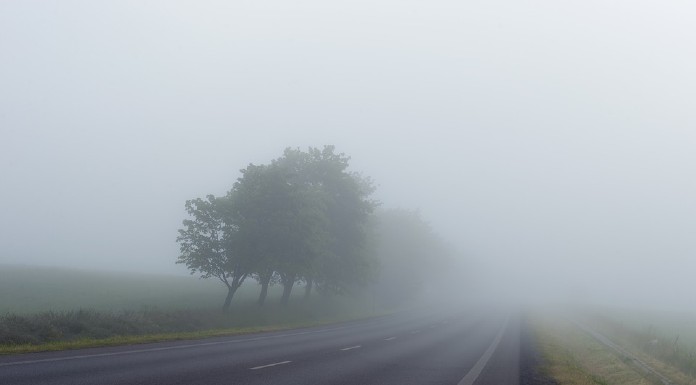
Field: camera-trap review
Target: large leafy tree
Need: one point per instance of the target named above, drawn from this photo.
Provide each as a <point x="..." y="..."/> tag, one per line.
<point x="253" y="212"/>
<point x="280" y="223"/>
<point x="346" y="262"/>
<point x="209" y="244"/>
<point x="306" y="217"/>
<point x="302" y="217"/>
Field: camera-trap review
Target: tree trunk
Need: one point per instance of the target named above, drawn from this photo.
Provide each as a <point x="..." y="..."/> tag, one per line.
<point x="288" y="282"/>
<point x="308" y="288"/>
<point x="231" y="289"/>
<point x="264" y="290"/>
<point x="228" y="299"/>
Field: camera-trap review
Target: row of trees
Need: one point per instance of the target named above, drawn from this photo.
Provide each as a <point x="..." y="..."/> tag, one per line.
<point x="302" y="218"/>
<point x="413" y="259"/>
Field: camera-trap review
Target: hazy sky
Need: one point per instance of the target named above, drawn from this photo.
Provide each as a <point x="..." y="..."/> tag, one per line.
<point x="554" y="139"/>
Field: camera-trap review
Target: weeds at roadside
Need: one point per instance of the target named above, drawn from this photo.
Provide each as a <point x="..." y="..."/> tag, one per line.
<point x="653" y="343"/>
<point x="83" y="328"/>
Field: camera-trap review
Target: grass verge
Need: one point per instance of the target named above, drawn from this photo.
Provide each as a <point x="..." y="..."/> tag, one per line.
<point x="83" y="343"/>
<point x="572" y="357"/>
<point x="663" y="354"/>
<point x="44" y="309"/>
<point x="52" y="331"/>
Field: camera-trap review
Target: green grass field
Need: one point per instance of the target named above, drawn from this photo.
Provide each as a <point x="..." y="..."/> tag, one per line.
<point x="667" y="325"/>
<point x="667" y="336"/>
<point x="49" y="309"/>
<point x="573" y="356"/>
<point x="27" y="290"/>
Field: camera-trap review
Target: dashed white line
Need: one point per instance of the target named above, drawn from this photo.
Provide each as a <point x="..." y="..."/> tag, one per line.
<point x="390" y="338"/>
<point x="415" y="331"/>
<point x="351" y="348"/>
<point x="269" y="365"/>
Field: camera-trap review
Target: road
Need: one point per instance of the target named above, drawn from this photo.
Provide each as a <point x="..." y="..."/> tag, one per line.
<point x="473" y="347"/>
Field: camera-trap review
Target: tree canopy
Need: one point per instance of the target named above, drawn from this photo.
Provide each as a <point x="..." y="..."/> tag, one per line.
<point x="302" y="217"/>
<point x="208" y="245"/>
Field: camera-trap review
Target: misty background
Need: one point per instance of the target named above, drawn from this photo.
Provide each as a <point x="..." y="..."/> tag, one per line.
<point x="551" y="142"/>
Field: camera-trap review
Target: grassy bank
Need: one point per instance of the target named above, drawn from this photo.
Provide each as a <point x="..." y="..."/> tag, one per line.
<point x="665" y="337"/>
<point x="654" y="345"/>
<point x="572" y="356"/>
<point x="83" y="340"/>
<point x="60" y="309"/>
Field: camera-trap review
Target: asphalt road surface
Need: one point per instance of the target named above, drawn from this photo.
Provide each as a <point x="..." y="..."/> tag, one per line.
<point x="467" y="347"/>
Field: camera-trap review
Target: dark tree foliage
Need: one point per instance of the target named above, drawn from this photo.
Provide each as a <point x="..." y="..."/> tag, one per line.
<point x="208" y="247"/>
<point x="281" y="222"/>
<point x="340" y="260"/>
<point x="303" y="217"/>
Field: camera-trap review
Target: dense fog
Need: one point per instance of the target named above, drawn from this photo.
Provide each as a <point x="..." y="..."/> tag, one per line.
<point x="550" y="143"/>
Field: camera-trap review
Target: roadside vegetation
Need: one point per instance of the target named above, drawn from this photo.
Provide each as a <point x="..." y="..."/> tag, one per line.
<point x="55" y="330"/>
<point x="301" y="220"/>
<point x="122" y="318"/>
<point x="26" y="290"/>
<point x="305" y="219"/>
<point x="572" y="356"/>
<point x="664" y="342"/>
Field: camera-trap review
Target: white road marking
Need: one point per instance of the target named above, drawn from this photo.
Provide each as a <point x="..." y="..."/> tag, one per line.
<point x="481" y="363"/>
<point x="390" y="338"/>
<point x="415" y="331"/>
<point x="269" y="365"/>
<point x="186" y="346"/>
<point x="352" y="347"/>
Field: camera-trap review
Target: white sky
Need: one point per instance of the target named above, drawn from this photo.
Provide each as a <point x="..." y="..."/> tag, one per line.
<point x="554" y="139"/>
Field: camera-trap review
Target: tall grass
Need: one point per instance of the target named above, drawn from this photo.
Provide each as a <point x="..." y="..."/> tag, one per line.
<point x="41" y="306"/>
<point x="655" y="341"/>
<point x="47" y="327"/>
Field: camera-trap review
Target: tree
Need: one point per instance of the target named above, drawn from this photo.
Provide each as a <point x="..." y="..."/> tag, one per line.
<point x="305" y="217"/>
<point x="409" y="253"/>
<point x="253" y="214"/>
<point x="346" y="261"/>
<point x="302" y="217"/>
<point x="280" y="223"/>
<point x="208" y="244"/>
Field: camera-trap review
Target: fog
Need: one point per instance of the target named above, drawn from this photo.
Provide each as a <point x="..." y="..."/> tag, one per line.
<point x="551" y="142"/>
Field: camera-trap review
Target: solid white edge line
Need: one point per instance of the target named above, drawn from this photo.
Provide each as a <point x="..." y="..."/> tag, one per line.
<point x="481" y="363"/>
<point x="352" y="347"/>
<point x="269" y="365"/>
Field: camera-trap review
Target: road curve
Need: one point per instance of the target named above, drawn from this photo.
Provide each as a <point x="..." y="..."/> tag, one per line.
<point x="452" y="347"/>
